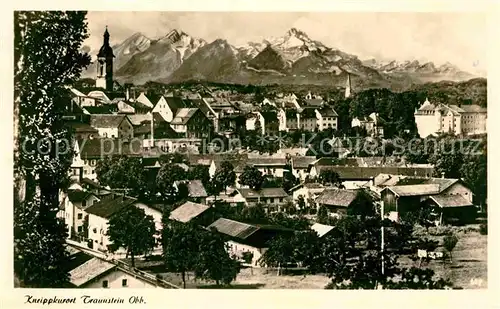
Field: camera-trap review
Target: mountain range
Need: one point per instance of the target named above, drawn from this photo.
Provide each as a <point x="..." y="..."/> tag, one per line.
<point x="293" y="58"/>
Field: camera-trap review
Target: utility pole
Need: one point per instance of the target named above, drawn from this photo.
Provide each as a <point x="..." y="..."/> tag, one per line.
<point x="382" y="234"/>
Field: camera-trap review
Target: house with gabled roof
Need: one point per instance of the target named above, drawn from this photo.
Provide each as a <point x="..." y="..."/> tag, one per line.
<point x="88" y="269"/>
<point x="338" y="201"/>
<point x="111" y="205"/>
<point x="327" y="118"/>
<point x="272" y="198"/>
<point x="192" y="123"/>
<point x="408" y="194"/>
<point x="373" y="124"/>
<point x="300" y="165"/>
<point x="74" y="204"/>
<point x="308" y="190"/>
<point x="267" y="165"/>
<point x="99" y="215"/>
<point x="82" y="99"/>
<point x="112" y="126"/>
<point x="244" y="237"/>
<point x="145" y="100"/>
<point x="189" y="212"/>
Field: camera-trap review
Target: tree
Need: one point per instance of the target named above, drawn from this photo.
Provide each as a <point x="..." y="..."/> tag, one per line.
<point x="225" y="175"/>
<point x="301" y="203"/>
<point x="329" y="177"/>
<point x="165" y="179"/>
<point x="362" y="205"/>
<point x="323" y="215"/>
<point x="350" y="254"/>
<point x="280" y="252"/>
<point x="251" y="177"/>
<point x="449" y="242"/>
<point x="254" y="214"/>
<point x="289" y="180"/>
<point x="474" y="173"/>
<point x="199" y="172"/>
<point x="133" y="230"/>
<point x="47" y="58"/>
<point x="214" y="262"/>
<point x="187" y="247"/>
<point x="123" y="172"/>
<point x="180" y="245"/>
<point x="447" y="159"/>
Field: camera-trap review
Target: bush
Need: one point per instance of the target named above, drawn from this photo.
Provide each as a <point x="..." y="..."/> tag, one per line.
<point x="483" y="229"/>
<point x="440" y="230"/>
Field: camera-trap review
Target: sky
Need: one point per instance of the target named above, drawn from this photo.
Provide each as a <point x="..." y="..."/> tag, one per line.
<point x="456" y="37"/>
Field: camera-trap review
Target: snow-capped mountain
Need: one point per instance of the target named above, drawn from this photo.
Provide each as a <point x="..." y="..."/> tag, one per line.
<point x="413" y="66"/>
<point x="291" y="58"/>
<point x="160" y="59"/>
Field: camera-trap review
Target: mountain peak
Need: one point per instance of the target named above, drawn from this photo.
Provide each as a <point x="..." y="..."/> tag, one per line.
<point x="297" y="33"/>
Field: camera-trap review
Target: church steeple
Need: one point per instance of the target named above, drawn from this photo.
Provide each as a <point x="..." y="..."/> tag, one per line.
<point x="348" y="86"/>
<point x="105" y="64"/>
<point x="106" y="36"/>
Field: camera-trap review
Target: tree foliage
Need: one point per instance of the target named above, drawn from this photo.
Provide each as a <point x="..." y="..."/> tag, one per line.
<point x="167" y="175"/>
<point x="329" y="177"/>
<point x="449" y="243"/>
<point x="225" y="175"/>
<point x="251" y="177"/>
<point x="122" y="172"/>
<point x="187" y="247"/>
<point x="133" y="230"/>
<point x="47" y="58"/>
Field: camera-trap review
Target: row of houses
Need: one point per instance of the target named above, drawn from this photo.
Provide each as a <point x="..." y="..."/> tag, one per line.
<point x="88" y="207"/>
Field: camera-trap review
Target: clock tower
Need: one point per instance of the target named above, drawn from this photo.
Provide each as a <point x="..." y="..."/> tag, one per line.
<point x="105" y="64"/>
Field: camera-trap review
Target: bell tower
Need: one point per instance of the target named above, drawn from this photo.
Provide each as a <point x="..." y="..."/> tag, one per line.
<point x="105" y="64"/>
<point x="348" y="86"/>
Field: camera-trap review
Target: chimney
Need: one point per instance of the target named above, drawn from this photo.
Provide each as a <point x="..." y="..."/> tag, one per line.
<point x="127" y="94"/>
<point x="442" y="174"/>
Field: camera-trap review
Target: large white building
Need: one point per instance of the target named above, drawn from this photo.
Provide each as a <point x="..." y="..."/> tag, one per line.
<point x="459" y="120"/>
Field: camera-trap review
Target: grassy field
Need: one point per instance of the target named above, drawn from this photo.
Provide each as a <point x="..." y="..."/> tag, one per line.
<point x="468" y="268"/>
<point x="257" y="278"/>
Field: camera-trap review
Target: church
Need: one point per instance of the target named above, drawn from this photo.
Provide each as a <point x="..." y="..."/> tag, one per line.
<point x="105" y="64"/>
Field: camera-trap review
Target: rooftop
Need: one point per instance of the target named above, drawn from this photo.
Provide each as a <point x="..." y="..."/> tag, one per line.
<point x="337" y="197"/>
<point x="110" y="205"/>
<point x="106" y="121"/>
<point x="415" y="190"/>
<point x="445" y="201"/>
<point x="183" y="115"/>
<point x="187" y="211"/>
<point x="263" y="193"/>
<point x="321" y="229"/>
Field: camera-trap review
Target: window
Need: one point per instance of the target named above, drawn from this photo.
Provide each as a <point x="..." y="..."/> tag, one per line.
<point x="80" y="229"/>
<point x="80" y="216"/>
<point x="124" y="282"/>
<point x="105" y="284"/>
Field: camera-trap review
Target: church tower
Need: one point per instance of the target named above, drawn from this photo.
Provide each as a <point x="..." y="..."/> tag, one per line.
<point x="105" y="64"/>
<point x="348" y="86"/>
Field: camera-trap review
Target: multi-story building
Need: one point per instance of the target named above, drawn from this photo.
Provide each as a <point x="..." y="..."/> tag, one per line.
<point x="112" y="126"/>
<point x="373" y="124"/>
<point x="327" y="118"/>
<point x="459" y="120"/>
